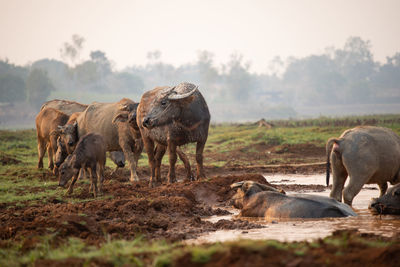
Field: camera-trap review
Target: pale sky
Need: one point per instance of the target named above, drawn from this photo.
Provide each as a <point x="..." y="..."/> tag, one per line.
<point x="260" y="30"/>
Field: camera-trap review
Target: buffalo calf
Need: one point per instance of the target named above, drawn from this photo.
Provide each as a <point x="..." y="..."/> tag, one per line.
<point x="89" y="154"/>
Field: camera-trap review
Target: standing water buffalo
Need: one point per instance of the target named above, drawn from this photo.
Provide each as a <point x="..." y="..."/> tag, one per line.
<point x="63" y="150"/>
<point x="171" y="117"/>
<point x="47" y="122"/>
<point x="389" y="203"/>
<point x="66" y="106"/>
<point x="89" y="154"/>
<point x="74" y="109"/>
<point x="368" y="155"/>
<point x="98" y="118"/>
<point x="258" y="200"/>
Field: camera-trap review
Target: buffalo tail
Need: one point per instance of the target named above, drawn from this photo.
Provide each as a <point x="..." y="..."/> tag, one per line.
<point x="329" y="146"/>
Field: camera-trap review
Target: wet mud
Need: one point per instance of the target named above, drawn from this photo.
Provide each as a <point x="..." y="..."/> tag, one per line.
<point x="185" y="211"/>
<point x="127" y="210"/>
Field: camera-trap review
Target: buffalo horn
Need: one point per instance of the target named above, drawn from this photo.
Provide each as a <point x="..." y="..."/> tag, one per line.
<point x="167" y="90"/>
<point x="182" y="96"/>
<point x="236" y="185"/>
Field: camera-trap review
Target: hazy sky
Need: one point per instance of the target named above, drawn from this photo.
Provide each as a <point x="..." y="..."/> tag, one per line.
<point x="127" y="30"/>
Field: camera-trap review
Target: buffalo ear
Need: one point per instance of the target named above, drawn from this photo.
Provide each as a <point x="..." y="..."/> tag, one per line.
<point x="56" y="132"/>
<point x="121" y="117"/>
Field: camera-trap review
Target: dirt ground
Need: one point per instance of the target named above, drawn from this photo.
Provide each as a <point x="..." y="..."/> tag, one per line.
<point x="174" y="212"/>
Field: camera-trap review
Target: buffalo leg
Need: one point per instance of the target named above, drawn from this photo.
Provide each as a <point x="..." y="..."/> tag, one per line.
<point x="129" y="156"/>
<point x="339" y="174"/>
<point x="50" y="156"/>
<point x="185" y="160"/>
<point x="41" y="151"/>
<point x="353" y="188"/>
<point x="383" y="187"/>
<point x="199" y="160"/>
<point x="159" y="154"/>
<point x="93" y="176"/>
<point x="53" y="148"/>
<point x="71" y="186"/>
<point x="172" y="162"/>
<point x="149" y="146"/>
<point x="100" y="174"/>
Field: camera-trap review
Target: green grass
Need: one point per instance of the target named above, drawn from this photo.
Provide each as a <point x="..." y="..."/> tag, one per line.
<point x="22" y="184"/>
<point x="116" y="252"/>
<point x="141" y="252"/>
<point x="16" y="179"/>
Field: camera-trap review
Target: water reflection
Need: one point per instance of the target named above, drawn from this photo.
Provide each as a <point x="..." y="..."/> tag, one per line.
<point x="309" y="229"/>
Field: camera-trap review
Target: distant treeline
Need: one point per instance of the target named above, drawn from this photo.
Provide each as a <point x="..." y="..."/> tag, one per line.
<point x="349" y="121"/>
<point x="339" y="77"/>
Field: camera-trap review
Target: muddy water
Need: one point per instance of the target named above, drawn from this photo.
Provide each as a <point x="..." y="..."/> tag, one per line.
<point x="309" y="229"/>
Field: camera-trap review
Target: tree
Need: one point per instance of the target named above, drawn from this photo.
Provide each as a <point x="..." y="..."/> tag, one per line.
<point x="39" y="87"/>
<point x="71" y="51"/>
<point x="239" y="82"/>
<point x="12" y="88"/>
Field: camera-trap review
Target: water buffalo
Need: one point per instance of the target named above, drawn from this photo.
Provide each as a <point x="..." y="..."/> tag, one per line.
<point x="47" y="122"/>
<point x="171" y="117"/>
<point x="63" y="150"/>
<point x="98" y="117"/>
<point x="258" y="200"/>
<point x="66" y="106"/>
<point x="159" y="151"/>
<point x="389" y="203"/>
<point x="368" y="155"/>
<point x="74" y="109"/>
<point x="89" y="154"/>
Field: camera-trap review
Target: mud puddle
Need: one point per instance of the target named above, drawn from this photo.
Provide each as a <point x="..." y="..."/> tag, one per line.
<point x="308" y="229"/>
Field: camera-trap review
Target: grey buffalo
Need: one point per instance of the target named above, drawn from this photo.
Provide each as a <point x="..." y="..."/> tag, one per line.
<point x="90" y="154"/>
<point x="98" y="118"/>
<point x="73" y="110"/>
<point x="169" y="117"/>
<point x="258" y="200"/>
<point x="389" y="203"/>
<point x="368" y="155"/>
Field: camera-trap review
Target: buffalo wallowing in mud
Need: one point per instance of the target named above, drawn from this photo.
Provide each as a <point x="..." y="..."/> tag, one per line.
<point x="258" y="200"/>
<point x="389" y="203"/>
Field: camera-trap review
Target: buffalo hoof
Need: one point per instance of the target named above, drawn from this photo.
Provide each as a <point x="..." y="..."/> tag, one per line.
<point x="134" y="178"/>
<point x="153" y="184"/>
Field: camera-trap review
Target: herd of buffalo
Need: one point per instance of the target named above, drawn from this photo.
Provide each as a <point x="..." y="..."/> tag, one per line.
<point x="77" y="137"/>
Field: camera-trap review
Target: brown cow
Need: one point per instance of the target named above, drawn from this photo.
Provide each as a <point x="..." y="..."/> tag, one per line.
<point x="47" y="122"/>
<point x="90" y="154"/>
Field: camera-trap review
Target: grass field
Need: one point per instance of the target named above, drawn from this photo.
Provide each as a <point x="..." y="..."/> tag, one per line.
<point x="21" y="185"/>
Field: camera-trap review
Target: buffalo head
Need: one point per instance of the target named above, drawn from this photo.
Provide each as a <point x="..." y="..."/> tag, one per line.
<point x="389" y="203"/>
<point x="246" y="189"/>
<point x="167" y="105"/>
<point x="127" y="114"/>
<point x="67" y="171"/>
<point x="61" y="152"/>
<point x="69" y="133"/>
